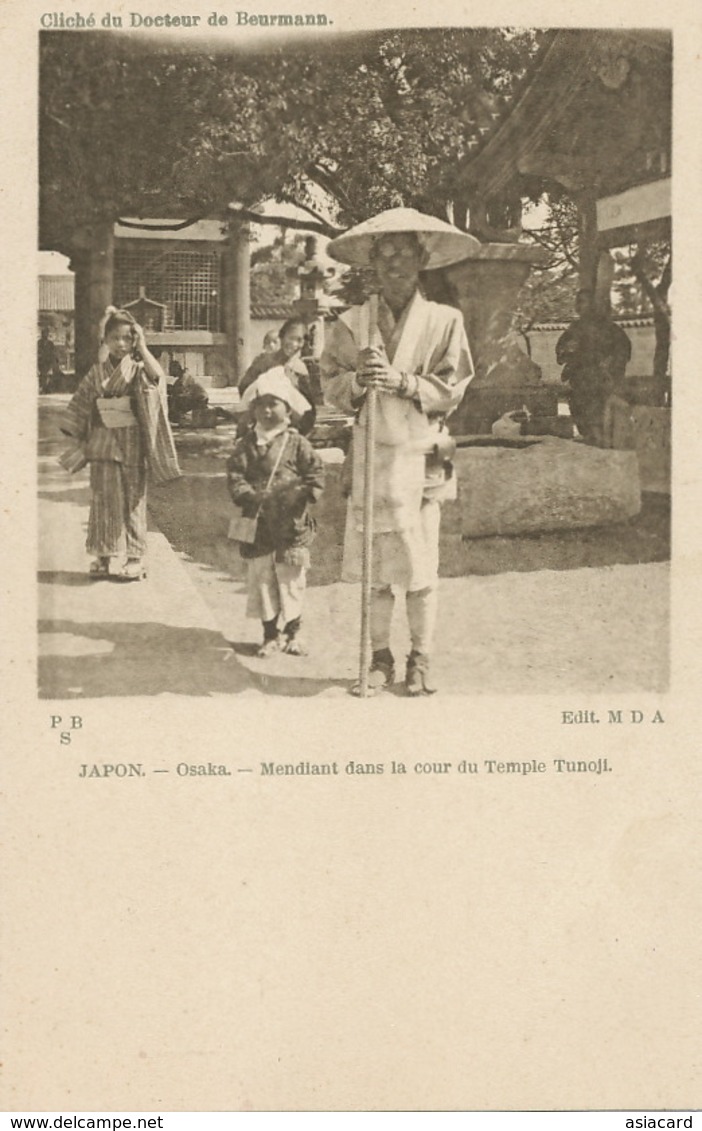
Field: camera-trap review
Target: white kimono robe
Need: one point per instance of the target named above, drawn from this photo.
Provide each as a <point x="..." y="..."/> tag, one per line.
<point x="429" y="341"/>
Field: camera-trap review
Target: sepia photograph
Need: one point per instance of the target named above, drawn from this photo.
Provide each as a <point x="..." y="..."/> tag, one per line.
<point x="353" y="355"/>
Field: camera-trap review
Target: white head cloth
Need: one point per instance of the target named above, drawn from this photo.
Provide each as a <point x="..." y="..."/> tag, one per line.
<point x="276" y="383"/>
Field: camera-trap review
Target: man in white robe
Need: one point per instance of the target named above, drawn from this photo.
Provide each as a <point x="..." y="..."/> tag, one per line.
<point x="415" y="354"/>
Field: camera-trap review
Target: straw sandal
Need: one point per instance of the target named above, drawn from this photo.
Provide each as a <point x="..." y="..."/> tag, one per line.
<point x="133" y="570"/>
<point x="291" y="642"/>
<point x="417" y="679"/>
<point x="293" y="647"/>
<point x="381" y="674"/>
<point x="269" y="648"/>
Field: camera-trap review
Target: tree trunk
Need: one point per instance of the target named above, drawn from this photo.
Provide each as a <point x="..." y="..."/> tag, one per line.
<point x="587" y="241"/>
<point x="661" y="354"/>
<point x="237" y="300"/>
<point x="460" y="213"/>
<point x="92" y="260"/>
<point x="658" y="296"/>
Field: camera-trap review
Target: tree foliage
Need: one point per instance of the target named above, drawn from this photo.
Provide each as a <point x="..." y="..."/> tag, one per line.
<point x="273" y="270"/>
<point x="641" y="270"/>
<point x="363" y="123"/>
<point x="113" y="123"/>
<point x="549" y="293"/>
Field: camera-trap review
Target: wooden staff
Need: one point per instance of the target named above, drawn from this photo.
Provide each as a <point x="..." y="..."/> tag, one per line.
<point x="367" y="551"/>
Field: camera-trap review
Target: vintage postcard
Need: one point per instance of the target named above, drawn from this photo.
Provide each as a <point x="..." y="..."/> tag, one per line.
<point x="351" y="654"/>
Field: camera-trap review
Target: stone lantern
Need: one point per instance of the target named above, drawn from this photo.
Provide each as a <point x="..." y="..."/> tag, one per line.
<point x="485" y="288"/>
<point x="313" y="305"/>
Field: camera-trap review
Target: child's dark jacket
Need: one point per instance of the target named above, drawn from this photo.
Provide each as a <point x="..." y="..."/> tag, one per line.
<point x="284" y="525"/>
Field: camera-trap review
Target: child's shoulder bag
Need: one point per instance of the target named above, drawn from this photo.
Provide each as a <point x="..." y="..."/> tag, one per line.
<point x="243" y="529"/>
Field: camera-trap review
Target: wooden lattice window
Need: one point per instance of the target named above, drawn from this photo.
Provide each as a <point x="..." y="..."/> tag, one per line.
<point x="187" y="282"/>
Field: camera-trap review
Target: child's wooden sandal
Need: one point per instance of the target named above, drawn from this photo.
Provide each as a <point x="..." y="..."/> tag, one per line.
<point x="293" y="647"/>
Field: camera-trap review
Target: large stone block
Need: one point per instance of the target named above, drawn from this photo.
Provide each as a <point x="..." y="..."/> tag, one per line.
<point x="652" y="446"/>
<point x="547" y="484"/>
<point x="646" y="430"/>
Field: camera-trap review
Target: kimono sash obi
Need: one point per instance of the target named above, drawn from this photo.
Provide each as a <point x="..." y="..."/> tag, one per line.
<point x="132" y="402"/>
<point x="147" y="406"/>
<point x="116" y="412"/>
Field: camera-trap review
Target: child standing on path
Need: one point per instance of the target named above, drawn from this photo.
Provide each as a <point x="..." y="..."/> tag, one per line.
<point x="118" y="422"/>
<point x="274" y="474"/>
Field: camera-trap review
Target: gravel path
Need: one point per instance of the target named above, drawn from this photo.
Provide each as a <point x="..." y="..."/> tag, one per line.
<point x="546" y="632"/>
<point x="582" y="610"/>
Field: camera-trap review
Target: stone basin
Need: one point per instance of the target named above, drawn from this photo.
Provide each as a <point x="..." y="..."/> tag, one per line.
<point x="530" y="484"/>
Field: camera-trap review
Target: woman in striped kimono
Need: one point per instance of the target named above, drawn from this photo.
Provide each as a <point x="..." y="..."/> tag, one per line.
<point x="118" y="422"/>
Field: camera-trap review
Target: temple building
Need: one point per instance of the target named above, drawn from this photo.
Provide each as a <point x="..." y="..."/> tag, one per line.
<point x="177" y="277"/>
<point x="591" y="119"/>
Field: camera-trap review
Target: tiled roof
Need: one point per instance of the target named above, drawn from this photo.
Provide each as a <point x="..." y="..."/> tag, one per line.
<point x="270" y="311"/>
<point x="56" y="292"/>
<point x="628" y="323"/>
<point x="206" y="230"/>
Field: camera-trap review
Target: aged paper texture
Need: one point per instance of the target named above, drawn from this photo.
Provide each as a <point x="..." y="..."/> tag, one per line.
<point x="459" y="936"/>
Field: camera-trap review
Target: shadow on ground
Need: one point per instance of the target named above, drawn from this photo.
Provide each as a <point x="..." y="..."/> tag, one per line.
<point x="78" y="496"/>
<point x="73" y="578"/>
<point x="107" y="659"/>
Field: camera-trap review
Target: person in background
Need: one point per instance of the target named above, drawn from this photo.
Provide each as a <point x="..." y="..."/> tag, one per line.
<point x="47" y="361"/>
<point x="175" y="369"/>
<point x="594" y="353"/>
<point x="288" y="355"/>
<point x="185" y="395"/>
<point x="271" y="341"/>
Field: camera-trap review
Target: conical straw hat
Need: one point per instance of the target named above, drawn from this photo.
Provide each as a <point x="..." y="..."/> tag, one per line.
<point x="443" y="243"/>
